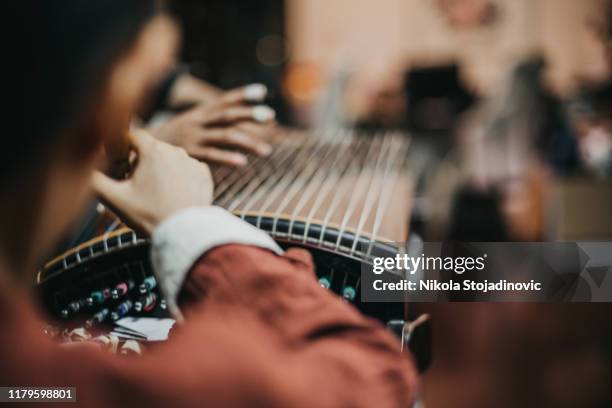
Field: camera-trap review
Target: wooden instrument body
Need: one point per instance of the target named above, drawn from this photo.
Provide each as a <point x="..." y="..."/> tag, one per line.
<point x="335" y="198"/>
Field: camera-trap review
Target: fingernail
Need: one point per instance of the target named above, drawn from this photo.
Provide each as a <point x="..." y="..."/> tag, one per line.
<point x="255" y="92"/>
<point x="264" y="150"/>
<point x="262" y="113"/>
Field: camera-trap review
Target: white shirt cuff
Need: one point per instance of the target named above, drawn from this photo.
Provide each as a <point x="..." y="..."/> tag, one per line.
<point x="179" y="241"/>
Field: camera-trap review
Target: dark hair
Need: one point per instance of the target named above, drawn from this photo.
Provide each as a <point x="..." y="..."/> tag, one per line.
<point x="65" y="49"/>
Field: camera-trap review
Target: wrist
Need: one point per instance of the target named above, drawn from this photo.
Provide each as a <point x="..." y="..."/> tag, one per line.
<point x="180" y="240"/>
<point x="189" y="90"/>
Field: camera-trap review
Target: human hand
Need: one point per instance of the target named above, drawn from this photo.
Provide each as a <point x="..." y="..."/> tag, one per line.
<point x="164" y="181"/>
<point x="214" y="131"/>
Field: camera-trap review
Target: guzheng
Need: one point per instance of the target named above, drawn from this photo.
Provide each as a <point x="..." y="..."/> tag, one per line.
<point x="342" y="197"/>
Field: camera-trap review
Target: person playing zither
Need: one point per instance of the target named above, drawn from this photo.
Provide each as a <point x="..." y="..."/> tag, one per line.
<point x="257" y="331"/>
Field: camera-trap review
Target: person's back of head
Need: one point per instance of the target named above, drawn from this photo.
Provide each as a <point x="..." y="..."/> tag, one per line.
<point x="65" y="50"/>
<point x="79" y="70"/>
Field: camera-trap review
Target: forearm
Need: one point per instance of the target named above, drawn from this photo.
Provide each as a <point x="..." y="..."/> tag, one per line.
<point x="319" y="339"/>
<point x="269" y="303"/>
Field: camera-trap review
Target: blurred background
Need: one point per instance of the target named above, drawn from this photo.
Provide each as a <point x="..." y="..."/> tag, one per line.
<point x="509" y="107"/>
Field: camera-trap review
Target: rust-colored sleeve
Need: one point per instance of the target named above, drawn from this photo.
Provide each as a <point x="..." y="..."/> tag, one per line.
<point x="259" y="332"/>
<point x="328" y="353"/>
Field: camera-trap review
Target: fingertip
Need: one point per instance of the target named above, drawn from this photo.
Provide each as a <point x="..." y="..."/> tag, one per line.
<point x="263" y="113"/>
<point x="238" y="160"/>
<point x="98" y="177"/>
<point x="101" y="182"/>
<point x="139" y="137"/>
<point x="264" y="149"/>
<point x="255" y="92"/>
